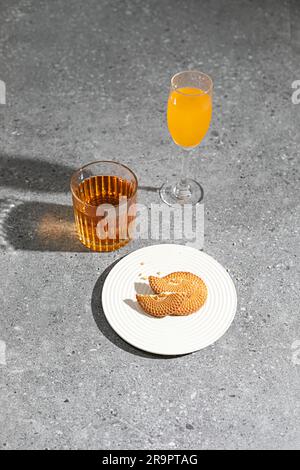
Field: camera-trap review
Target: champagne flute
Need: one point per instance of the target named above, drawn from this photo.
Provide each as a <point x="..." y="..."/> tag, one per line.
<point x="189" y="114"/>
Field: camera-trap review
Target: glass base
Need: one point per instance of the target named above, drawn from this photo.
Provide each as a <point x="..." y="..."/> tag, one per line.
<point x="173" y="193"/>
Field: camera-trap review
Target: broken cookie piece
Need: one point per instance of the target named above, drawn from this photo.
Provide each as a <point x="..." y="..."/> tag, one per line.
<point x="160" y="305"/>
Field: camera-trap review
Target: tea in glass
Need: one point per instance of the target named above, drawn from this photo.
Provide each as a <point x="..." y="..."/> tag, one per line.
<point x="104" y="198"/>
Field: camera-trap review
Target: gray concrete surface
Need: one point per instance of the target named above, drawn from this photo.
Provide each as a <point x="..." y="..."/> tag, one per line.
<point x="90" y="79"/>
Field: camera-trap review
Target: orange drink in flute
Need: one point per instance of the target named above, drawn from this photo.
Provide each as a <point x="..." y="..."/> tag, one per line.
<point x="189" y="113"/>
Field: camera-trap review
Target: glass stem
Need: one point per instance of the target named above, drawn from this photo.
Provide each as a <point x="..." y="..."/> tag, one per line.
<point x="182" y="189"/>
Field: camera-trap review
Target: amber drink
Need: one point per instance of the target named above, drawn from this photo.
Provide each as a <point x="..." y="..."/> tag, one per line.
<point x="104" y="197"/>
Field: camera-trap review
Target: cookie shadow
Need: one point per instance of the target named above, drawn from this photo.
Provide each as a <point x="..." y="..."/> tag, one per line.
<point x="140" y="288"/>
<point x="134" y="305"/>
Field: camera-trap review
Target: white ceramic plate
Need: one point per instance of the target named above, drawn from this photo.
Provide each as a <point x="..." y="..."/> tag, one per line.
<point x="168" y="335"/>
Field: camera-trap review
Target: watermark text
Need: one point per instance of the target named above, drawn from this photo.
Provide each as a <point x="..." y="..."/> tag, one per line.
<point x="296" y="93"/>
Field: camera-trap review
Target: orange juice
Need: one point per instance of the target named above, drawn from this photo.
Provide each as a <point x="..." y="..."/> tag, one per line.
<point x="189" y="114"/>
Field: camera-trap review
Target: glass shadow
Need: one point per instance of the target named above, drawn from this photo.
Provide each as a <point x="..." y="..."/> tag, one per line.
<point x="38" y="226"/>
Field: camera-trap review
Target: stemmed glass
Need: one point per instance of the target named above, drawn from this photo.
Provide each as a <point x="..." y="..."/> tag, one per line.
<point x="189" y="114"/>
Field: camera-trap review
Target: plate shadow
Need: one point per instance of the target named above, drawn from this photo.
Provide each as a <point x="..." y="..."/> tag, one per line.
<point x="103" y="325"/>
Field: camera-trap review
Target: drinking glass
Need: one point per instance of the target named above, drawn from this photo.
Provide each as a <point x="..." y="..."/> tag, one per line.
<point x="104" y="199"/>
<point x="188" y="115"/>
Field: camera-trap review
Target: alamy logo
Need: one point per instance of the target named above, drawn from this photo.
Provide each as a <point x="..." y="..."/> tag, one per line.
<point x="2" y="92"/>
<point x="296" y="353"/>
<point x="2" y="353"/>
<point x="161" y="222"/>
<point x="296" y="93"/>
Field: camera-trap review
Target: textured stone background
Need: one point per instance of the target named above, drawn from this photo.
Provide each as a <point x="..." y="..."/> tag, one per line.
<point x="90" y="80"/>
